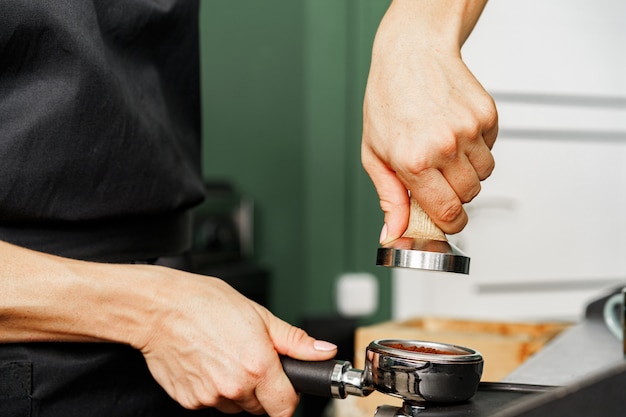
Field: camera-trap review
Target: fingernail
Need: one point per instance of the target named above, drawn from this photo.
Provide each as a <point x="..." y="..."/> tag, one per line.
<point x="383" y="233"/>
<point x="324" y="346"/>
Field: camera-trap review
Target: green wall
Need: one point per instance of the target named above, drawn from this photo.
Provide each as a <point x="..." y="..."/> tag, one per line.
<point x="282" y="88"/>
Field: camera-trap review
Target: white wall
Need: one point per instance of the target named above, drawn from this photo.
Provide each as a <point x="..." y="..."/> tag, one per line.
<point x="548" y="232"/>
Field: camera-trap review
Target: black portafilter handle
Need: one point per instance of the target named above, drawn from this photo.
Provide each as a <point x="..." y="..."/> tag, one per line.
<point x="313" y="378"/>
<point x="331" y="379"/>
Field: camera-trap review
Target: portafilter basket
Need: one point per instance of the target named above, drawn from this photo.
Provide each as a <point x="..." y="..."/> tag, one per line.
<point x="419" y="372"/>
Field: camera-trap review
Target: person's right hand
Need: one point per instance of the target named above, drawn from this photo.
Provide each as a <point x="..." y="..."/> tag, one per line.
<point x="428" y="124"/>
<point x="209" y="346"/>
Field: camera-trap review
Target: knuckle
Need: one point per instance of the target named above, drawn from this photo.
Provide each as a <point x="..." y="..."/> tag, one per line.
<point x="296" y="335"/>
<point x="488" y="116"/>
<point x="472" y="128"/>
<point x="451" y="212"/>
<point x="389" y="206"/>
<point x="287" y="412"/>
<point x="448" y="145"/>
<point x="410" y="160"/>
<point x="232" y="391"/>
<point x="488" y="170"/>
<point x="194" y="403"/>
<point x="471" y="193"/>
<point x="487" y="111"/>
<point x="481" y="121"/>
<point x="207" y="399"/>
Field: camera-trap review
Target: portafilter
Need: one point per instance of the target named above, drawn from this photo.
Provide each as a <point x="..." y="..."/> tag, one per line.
<point x="419" y="372"/>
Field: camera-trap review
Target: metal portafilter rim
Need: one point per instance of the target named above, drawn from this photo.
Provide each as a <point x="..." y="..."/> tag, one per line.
<point x="420" y="350"/>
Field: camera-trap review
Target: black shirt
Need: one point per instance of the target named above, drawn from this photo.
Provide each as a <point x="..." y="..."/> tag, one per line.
<point x="99" y="126"/>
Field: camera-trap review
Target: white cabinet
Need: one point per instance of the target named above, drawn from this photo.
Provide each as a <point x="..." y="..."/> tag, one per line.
<point x="548" y="232"/>
<point x="550" y="46"/>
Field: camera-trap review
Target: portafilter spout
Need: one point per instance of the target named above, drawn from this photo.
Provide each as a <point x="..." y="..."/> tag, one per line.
<point x="416" y="371"/>
<point x="423" y="246"/>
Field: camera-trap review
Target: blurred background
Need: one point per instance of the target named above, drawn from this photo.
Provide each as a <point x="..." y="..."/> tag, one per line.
<point x="283" y="83"/>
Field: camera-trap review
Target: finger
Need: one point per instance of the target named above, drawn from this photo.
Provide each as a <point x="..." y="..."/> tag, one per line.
<point x="435" y="195"/>
<point x="274" y="390"/>
<point x="462" y="178"/>
<point x="229" y="407"/>
<point x="393" y="195"/>
<point x="276" y="393"/>
<point x="251" y="405"/>
<point x="490" y="128"/>
<point x="294" y="342"/>
<point x="481" y="158"/>
<point x="238" y="393"/>
<point x="487" y="115"/>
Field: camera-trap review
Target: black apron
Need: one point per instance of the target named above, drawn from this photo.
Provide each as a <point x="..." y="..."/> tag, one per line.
<point x="81" y="380"/>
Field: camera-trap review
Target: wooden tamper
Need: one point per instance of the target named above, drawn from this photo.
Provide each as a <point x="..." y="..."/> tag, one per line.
<point x="423" y="246"/>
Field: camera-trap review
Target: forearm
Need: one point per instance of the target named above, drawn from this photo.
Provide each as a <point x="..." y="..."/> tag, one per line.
<point x="48" y="298"/>
<point x="443" y="24"/>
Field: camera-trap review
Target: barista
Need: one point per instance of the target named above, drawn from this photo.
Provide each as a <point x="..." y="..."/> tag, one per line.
<point x="99" y="148"/>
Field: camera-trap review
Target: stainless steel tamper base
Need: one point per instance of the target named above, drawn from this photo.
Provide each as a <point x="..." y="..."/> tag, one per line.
<point x="423" y="246"/>
<point x="427" y="254"/>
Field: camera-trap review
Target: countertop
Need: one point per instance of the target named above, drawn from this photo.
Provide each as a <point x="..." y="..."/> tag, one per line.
<point x="585" y="349"/>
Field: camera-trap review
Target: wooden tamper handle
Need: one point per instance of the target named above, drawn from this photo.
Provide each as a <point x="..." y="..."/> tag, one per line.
<point x="421" y="225"/>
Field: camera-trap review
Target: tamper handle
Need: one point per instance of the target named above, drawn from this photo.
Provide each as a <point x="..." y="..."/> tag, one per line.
<point x="421" y="225"/>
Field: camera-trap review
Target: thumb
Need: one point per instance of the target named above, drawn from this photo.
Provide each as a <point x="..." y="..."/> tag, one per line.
<point x="296" y="343"/>
<point x="394" y="198"/>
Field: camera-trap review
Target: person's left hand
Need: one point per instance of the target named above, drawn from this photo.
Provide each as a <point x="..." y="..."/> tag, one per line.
<point x="209" y="346"/>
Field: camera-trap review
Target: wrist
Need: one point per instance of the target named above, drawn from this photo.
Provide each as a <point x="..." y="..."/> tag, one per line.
<point x="57" y="299"/>
<point x="128" y="301"/>
<point x="441" y="24"/>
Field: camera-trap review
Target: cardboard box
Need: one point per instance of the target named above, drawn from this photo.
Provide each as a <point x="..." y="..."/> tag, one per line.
<point x="503" y="345"/>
